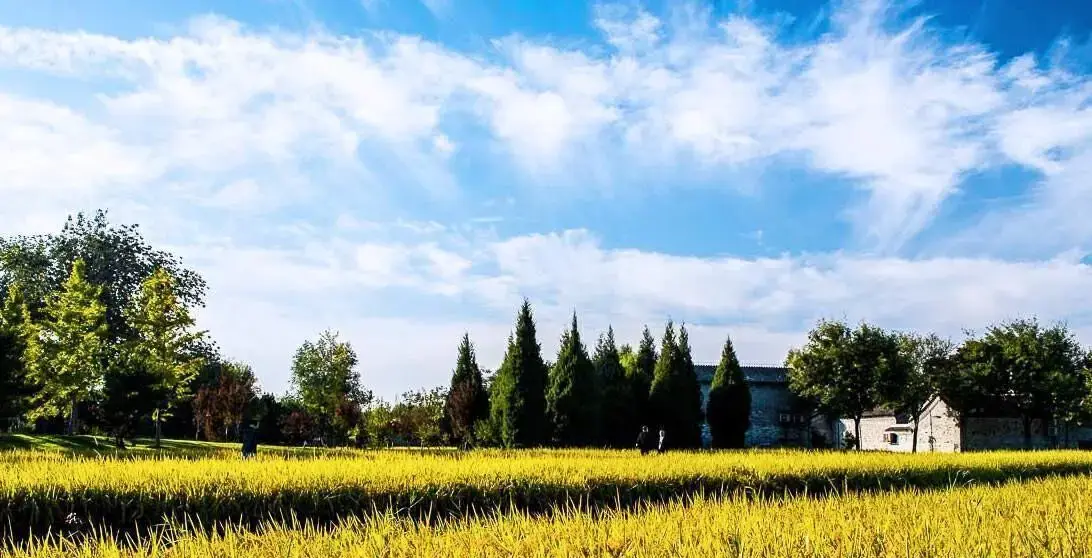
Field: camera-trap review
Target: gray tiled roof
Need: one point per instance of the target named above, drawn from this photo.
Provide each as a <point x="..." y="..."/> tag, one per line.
<point x="753" y="374"/>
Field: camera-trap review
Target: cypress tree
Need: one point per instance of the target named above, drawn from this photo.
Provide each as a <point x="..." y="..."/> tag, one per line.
<point x="571" y="401"/>
<point x="640" y="378"/>
<point x="467" y="401"/>
<point x="675" y="396"/>
<point x="729" y="407"/>
<point x="520" y="401"/>
<point x="618" y="415"/>
<point x="691" y="414"/>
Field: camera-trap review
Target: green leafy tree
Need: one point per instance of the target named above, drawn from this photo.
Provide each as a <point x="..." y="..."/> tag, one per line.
<point x="924" y="360"/>
<point x="163" y="336"/>
<point x="618" y="417"/>
<point x="843" y="369"/>
<point x="675" y="396"/>
<point x="324" y="376"/>
<point x="66" y="353"/>
<point x="130" y="394"/>
<point x="467" y="401"/>
<point x="640" y="376"/>
<point x="15" y="388"/>
<point x="572" y="404"/>
<point x="519" y="394"/>
<point x="116" y="258"/>
<point x="729" y="406"/>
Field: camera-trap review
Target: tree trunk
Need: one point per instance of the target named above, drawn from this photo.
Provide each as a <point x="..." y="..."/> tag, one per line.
<point x="914" y="442"/>
<point x="857" y="430"/>
<point x="73" y="409"/>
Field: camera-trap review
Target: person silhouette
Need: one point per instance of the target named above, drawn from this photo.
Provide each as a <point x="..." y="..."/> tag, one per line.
<point x="643" y="442"/>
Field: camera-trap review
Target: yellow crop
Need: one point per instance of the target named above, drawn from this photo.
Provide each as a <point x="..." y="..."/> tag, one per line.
<point x="1048" y="518"/>
<point x="38" y="491"/>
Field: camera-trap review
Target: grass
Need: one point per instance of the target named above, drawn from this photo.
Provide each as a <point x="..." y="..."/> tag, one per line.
<point x="100" y="445"/>
<point x="39" y="490"/>
<point x="1050" y="517"/>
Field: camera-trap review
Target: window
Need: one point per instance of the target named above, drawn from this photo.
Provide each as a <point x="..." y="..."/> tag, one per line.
<point x="892" y="438"/>
<point x="785" y="418"/>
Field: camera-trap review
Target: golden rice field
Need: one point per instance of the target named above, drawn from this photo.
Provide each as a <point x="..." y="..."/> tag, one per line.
<point x="39" y="491"/>
<point x="1039" y="518"/>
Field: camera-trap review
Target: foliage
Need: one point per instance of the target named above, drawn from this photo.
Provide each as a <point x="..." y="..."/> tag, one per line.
<point x="728" y="410"/>
<point x="618" y="418"/>
<point x="116" y="258"/>
<point x="221" y="407"/>
<point x="641" y="374"/>
<point x="847" y="372"/>
<point x="467" y="400"/>
<point x="675" y="396"/>
<point x="66" y="352"/>
<point x="518" y="398"/>
<point x="324" y="376"/>
<point x="162" y="338"/>
<point x="572" y="402"/>
<point x="414" y="421"/>
<point x="130" y="394"/>
<point x="924" y="360"/>
<point x="15" y="386"/>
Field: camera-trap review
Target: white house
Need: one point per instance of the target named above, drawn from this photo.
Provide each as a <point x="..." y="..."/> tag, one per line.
<point x="939" y="430"/>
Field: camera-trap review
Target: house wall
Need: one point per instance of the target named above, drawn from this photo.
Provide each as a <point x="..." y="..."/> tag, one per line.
<point x="935" y="422"/>
<point x="937" y="430"/>
<point x="768" y="402"/>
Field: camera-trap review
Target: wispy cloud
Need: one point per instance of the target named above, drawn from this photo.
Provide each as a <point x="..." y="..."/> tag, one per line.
<point x="278" y="164"/>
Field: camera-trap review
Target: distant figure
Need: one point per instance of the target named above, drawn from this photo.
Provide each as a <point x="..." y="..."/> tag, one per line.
<point x="661" y="446"/>
<point x="643" y="443"/>
<point x="250" y="442"/>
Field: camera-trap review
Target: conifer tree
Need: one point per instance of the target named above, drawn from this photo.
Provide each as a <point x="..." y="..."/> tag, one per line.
<point x="519" y="403"/>
<point x="640" y="377"/>
<point x="618" y="416"/>
<point x="729" y="407"/>
<point x="571" y="402"/>
<point x="66" y="353"/>
<point x="467" y="402"/>
<point x="675" y="396"/>
<point x="163" y="336"/>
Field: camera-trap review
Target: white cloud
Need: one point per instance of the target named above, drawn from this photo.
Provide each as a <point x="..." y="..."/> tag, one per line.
<point x="766" y="304"/>
<point x="319" y="127"/>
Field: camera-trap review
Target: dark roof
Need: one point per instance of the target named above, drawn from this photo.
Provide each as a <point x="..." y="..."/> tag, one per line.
<point x="753" y="374"/>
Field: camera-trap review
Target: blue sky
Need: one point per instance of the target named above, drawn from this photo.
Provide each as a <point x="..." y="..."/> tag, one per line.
<point x="406" y="170"/>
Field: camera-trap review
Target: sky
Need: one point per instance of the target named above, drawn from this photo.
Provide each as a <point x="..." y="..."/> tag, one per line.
<point x="404" y="171"/>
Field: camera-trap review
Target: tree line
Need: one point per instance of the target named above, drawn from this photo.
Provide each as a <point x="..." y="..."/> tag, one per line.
<point x="97" y="335"/>
<point x="599" y="399"/>
<point x="1017" y="369"/>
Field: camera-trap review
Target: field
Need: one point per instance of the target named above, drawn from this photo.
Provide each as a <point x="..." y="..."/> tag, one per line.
<point x="207" y="501"/>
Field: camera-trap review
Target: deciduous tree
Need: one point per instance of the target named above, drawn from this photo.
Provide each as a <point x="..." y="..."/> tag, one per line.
<point x="66" y="353"/>
<point x="163" y="335"/>
<point x="323" y="376"/>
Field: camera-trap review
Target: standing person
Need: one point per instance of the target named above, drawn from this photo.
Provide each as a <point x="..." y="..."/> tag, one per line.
<point x="662" y="447"/>
<point x="643" y="441"/>
<point x="250" y="441"/>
